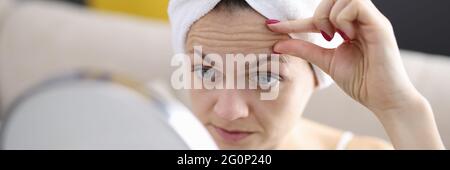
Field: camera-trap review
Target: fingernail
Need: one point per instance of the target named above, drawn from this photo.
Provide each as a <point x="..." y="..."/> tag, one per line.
<point x="274" y="51"/>
<point x="343" y="35"/>
<point x="326" y="36"/>
<point x="271" y="21"/>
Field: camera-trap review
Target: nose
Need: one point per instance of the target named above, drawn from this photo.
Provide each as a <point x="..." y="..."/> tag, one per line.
<point x="231" y="105"/>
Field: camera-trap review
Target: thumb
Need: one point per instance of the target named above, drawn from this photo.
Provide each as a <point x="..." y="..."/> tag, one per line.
<point x="310" y="52"/>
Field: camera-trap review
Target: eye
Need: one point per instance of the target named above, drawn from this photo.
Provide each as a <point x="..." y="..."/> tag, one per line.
<point x="266" y="79"/>
<point x="205" y="72"/>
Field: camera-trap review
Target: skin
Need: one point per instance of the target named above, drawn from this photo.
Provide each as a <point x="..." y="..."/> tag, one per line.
<point x="243" y="110"/>
<point x="277" y="124"/>
<point x="368" y="67"/>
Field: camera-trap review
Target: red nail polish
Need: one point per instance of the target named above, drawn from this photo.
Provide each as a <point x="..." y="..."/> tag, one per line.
<point x="326" y="36"/>
<point x="272" y="21"/>
<point x="343" y="35"/>
<point x="274" y="51"/>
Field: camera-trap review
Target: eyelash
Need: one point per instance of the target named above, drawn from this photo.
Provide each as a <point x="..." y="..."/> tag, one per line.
<point x="203" y="68"/>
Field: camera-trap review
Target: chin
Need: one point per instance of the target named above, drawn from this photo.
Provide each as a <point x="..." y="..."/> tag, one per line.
<point x="241" y="145"/>
<point x="244" y="145"/>
<point x="235" y="147"/>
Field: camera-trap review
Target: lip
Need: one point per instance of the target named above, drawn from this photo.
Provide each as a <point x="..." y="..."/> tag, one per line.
<point x="231" y="136"/>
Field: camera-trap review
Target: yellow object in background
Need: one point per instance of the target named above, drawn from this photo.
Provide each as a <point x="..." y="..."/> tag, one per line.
<point x="154" y="9"/>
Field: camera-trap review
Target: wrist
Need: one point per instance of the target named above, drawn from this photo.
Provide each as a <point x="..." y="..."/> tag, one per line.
<point x="412" y="126"/>
<point x="414" y="107"/>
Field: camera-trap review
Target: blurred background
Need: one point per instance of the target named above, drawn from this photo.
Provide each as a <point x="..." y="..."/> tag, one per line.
<point x="43" y="38"/>
<point x="419" y="25"/>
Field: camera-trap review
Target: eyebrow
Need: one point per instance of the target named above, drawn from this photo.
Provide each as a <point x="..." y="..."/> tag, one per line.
<point x="283" y="59"/>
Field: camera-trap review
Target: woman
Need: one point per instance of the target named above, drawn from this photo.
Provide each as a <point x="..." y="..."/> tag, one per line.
<point x="367" y="66"/>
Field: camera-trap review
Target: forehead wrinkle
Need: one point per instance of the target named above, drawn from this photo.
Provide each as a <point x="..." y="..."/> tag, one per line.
<point x="247" y="41"/>
<point x="242" y="36"/>
<point x="240" y="32"/>
<point x="239" y="38"/>
<point x="234" y="47"/>
<point x="233" y="29"/>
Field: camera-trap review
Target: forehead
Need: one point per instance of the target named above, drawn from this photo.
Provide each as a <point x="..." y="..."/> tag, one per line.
<point x="240" y="31"/>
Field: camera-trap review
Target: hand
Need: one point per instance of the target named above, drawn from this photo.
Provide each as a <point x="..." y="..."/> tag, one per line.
<point x="368" y="66"/>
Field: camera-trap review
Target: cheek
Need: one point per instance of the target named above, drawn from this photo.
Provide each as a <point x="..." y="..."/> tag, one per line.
<point x="201" y="102"/>
<point x="300" y="86"/>
<point x="281" y="115"/>
<point x="277" y="120"/>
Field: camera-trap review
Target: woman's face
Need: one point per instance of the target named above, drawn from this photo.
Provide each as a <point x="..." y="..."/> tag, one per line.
<point x="238" y="118"/>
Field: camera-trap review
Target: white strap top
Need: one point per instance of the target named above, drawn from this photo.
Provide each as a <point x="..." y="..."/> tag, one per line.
<point x="344" y="141"/>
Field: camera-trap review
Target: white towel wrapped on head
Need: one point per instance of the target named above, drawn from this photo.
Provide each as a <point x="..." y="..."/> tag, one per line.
<point x="183" y="13"/>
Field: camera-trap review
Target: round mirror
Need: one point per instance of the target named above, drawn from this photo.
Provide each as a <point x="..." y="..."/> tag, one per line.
<point x="82" y="111"/>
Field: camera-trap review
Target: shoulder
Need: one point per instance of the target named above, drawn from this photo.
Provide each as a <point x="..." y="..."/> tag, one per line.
<point x="368" y="143"/>
<point x="330" y="137"/>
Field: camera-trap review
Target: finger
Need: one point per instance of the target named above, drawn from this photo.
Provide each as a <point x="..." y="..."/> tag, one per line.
<point x="362" y="12"/>
<point x="365" y="12"/>
<point x="294" y="26"/>
<point x="322" y="19"/>
<point x="345" y="22"/>
<point x="336" y="10"/>
<point x="310" y="52"/>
